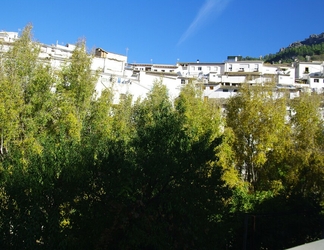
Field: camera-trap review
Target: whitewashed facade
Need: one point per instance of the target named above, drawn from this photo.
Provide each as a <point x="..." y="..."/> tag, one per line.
<point x="8" y="37"/>
<point x="199" y="70"/>
<point x="112" y="72"/>
<point x="311" y="73"/>
<point x="218" y="80"/>
<point x="108" y="62"/>
<point x="56" y="55"/>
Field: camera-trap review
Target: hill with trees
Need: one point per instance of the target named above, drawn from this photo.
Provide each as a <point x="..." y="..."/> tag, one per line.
<point x="310" y="49"/>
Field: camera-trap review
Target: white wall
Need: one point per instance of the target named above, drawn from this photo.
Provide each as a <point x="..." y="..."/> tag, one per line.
<point x="197" y="69"/>
<point x="215" y="77"/>
<point x="109" y="65"/>
<point x="233" y="79"/>
<point x="219" y="93"/>
<point x="173" y="83"/>
<point x="316" y="82"/>
<point x="312" y="67"/>
<point x="8" y="36"/>
<point x="243" y="66"/>
<point x="137" y="87"/>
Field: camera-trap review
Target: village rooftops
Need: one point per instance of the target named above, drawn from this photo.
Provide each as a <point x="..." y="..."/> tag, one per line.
<point x="198" y="63"/>
<point x="99" y="52"/>
<point x="153" y="65"/>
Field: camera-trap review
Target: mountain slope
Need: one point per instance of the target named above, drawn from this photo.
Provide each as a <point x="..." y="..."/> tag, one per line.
<point x="310" y="49"/>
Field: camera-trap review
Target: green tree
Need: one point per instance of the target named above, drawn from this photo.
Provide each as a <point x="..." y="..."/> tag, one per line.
<point x="44" y="169"/>
<point x="256" y="115"/>
<point x="152" y="160"/>
<point x="18" y="68"/>
<point x="306" y="156"/>
<point x="78" y="81"/>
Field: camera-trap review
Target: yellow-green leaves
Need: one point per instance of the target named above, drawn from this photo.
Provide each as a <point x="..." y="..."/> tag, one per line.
<point x="306" y="172"/>
<point x="198" y="116"/>
<point x="78" y="81"/>
<point x="257" y="119"/>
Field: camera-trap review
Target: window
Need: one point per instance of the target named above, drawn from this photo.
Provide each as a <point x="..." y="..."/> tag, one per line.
<point x="306" y="70"/>
<point x="199" y="68"/>
<point x="316" y="80"/>
<point x="211" y="87"/>
<point x="225" y="90"/>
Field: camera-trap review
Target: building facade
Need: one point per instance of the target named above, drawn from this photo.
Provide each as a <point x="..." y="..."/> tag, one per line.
<point x="218" y="80"/>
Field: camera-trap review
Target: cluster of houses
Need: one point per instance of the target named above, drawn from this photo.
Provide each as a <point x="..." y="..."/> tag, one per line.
<point x="218" y="80"/>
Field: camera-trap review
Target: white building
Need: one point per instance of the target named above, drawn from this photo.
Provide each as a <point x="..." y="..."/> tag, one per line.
<point x="311" y="73"/>
<point x="199" y="70"/>
<point x="138" y="79"/>
<point x="112" y="71"/>
<point x="218" y="80"/>
<point x="108" y="62"/>
<point x="56" y="55"/>
<point x="8" y="37"/>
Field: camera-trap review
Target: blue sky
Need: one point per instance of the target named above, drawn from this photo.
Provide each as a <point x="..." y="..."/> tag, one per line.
<point x="167" y="31"/>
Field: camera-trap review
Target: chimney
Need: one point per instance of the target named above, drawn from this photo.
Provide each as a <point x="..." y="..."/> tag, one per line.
<point x="197" y="60"/>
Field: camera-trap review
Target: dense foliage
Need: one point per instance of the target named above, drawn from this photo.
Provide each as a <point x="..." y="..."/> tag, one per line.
<point x="79" y="172"/>
<point x="302" y="53"/>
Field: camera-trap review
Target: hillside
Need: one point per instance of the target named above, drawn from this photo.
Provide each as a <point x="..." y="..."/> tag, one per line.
<point x="310" y="49"/>
<point x="311" y="40"/>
